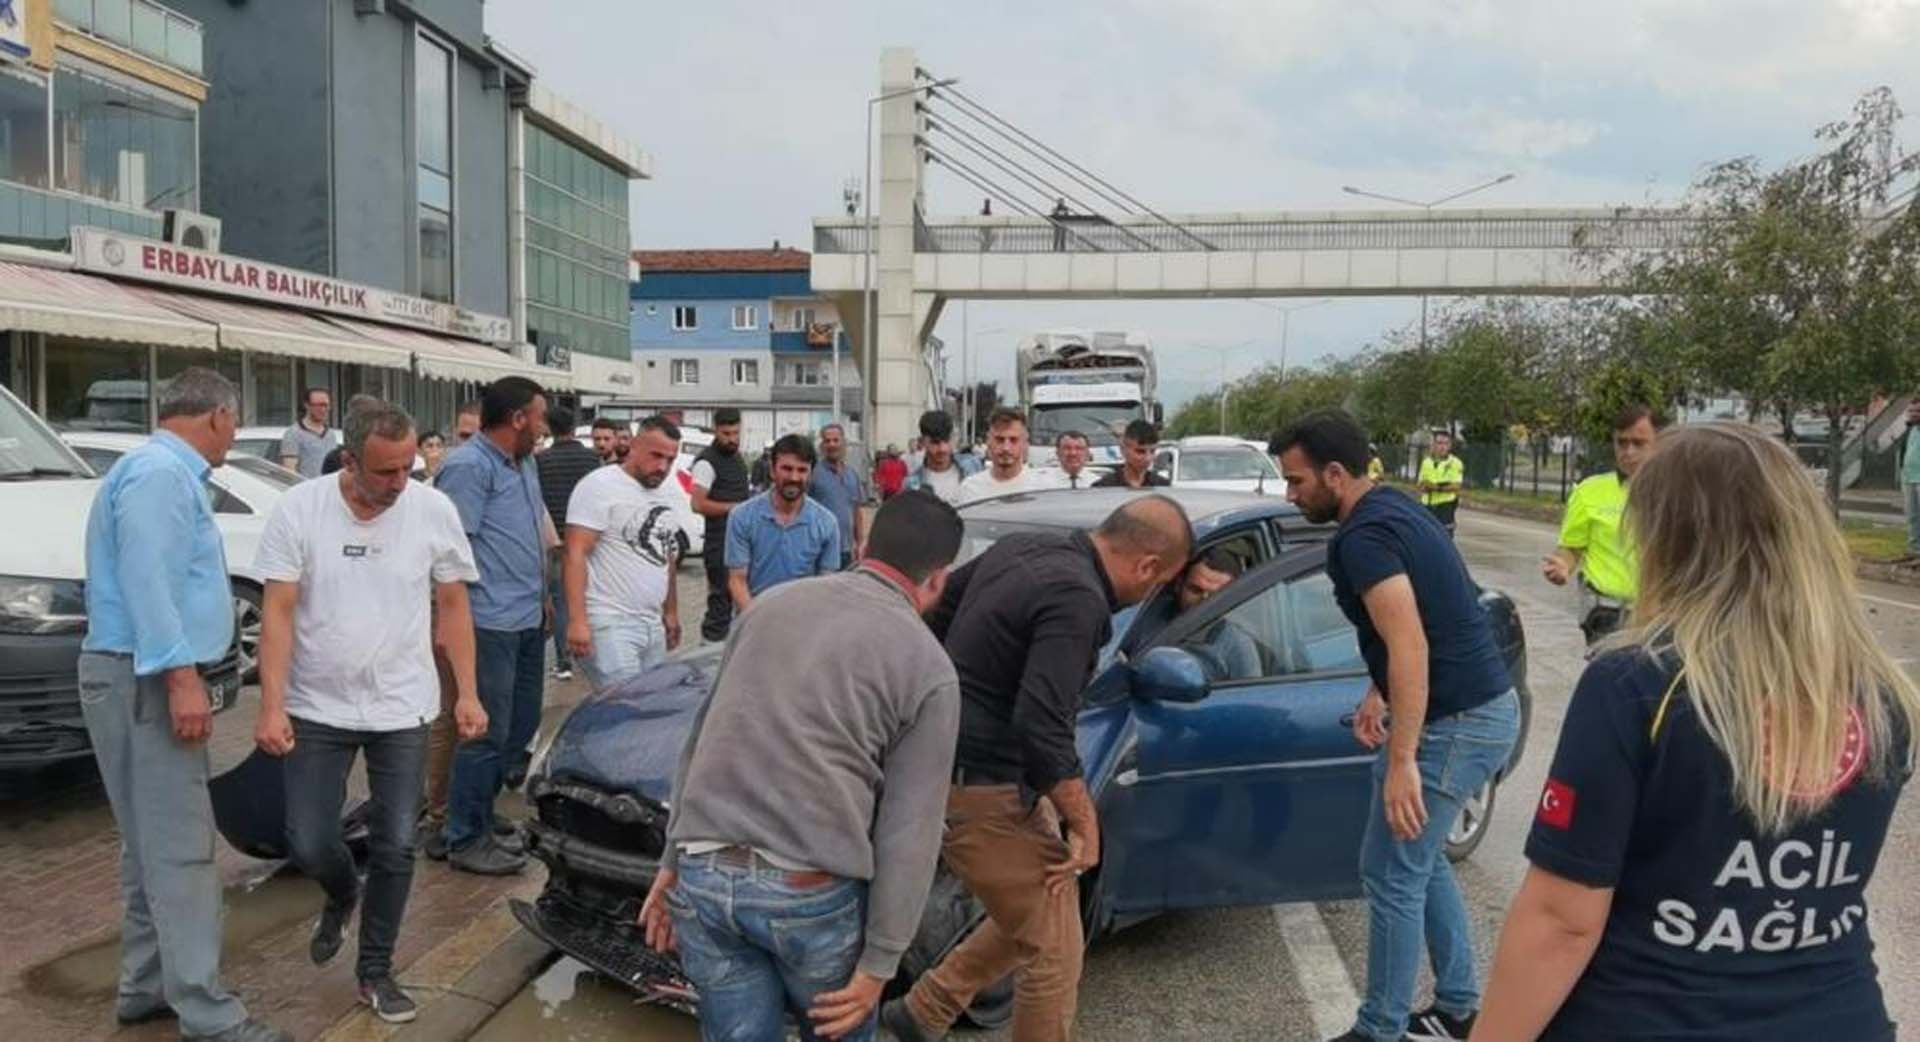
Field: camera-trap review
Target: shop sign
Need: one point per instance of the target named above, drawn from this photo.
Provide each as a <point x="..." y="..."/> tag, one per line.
<point x="13" y="29"/>
<point x="150" y="260"/>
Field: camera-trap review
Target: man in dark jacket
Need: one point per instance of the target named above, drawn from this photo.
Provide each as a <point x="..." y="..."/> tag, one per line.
<point x="719" y="485"/>
<point x="562" y="466"/>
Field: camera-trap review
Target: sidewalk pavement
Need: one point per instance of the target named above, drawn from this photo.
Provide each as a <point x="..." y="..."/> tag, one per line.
<point x="461" y="953"/>
<point x="60" y="923"/>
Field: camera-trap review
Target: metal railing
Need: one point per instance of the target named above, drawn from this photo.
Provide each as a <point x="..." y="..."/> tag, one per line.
<point x="146" y="28"/>
<point x="1097" y="235"/>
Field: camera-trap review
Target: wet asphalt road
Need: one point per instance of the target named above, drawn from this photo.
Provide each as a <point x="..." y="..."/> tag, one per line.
<point x="1290" y="973"/>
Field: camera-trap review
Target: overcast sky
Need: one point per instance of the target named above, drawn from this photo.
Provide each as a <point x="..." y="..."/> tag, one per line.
<point x="753" y="112"/>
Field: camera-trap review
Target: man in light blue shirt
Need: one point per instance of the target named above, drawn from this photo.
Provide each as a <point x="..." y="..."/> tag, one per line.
<point x="781" y="534"/>
<point x="158" y="608"/>
<point x="836" y="486"/>
<point x="495" y="487"/>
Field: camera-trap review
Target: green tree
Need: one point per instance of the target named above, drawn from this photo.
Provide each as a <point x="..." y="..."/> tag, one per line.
<point x="1803" y="288"/>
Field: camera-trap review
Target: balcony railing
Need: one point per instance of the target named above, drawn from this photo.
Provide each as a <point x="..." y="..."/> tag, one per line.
<point x="36" y="214"/>
<point x="141" y="26"/>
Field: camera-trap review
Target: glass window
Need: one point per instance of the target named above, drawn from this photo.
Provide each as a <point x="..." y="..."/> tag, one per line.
<point x="436" y="254"/>
<point x="685" y="317"/>
<point x="96" y="386"/>
<point x="433" y="146"/>
<point x="802" y="319"/>
<point x="433" y="105"/>
<point x="113" y="19"/>
<point x="1246" y="464"/>
<point x="686" y="372"/>
<point x="149" y="29"/>
<point x="746" y="372"/>
<point x="1288" y="629"/>
<point x="746" y="316"/>
<point x="23" y="129"/>
<point x="1327" y="641"/>
<point x="173" y="361"/>
<point x="270" y="389"/>
<point x="128" y="146"/>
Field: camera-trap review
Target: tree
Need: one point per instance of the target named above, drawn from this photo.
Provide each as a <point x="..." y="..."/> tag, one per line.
<point x="986" y="398"/>
<point x="1803" y="286"/>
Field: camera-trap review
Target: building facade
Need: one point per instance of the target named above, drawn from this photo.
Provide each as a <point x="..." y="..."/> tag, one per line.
<point x="360" y="163"/>
<point x="741" y="328"/>
<point x="572" y="237"/>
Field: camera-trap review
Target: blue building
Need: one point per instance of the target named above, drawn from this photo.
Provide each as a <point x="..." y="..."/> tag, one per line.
<point x="742" y="328"/>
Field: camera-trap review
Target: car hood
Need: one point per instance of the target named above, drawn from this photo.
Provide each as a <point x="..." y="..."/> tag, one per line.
<point x="627" y="738"/>
<point x="48" y="519"/>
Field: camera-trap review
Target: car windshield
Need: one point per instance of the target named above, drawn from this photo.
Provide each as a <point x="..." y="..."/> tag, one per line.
<point x="28" y="449"/>
<point x="1225" y="465"/>
<point x="1101" y="423"/>
<point x="271" y="473"/>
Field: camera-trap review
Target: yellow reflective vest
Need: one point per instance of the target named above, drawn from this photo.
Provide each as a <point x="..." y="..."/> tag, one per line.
<point x="1449" y="471"/>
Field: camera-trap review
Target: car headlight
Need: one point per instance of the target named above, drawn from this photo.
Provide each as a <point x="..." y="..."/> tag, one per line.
<point x="30" y="605"/>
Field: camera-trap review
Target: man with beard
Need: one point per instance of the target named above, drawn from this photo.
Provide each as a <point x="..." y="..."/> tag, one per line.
<point x="1431" y="655"/>
<point x="781" y="534"/>
<point x="623" y="541"/>
<point x="719" y="485"/>
<point x="940" y="471"/>
<point x="605" y="433"/>
<point x="362" y="552"/>
<point x="1007" y="448"/>
<point x="493" y="483"/>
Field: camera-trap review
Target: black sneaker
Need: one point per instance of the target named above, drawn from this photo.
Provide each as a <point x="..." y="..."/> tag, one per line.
<point x="389" y="1003"/>
<point x="1431" y="1025"/>
<point x="330" y="931"/>
<point x="130" y="1014"/>
<point x="431" y="840"/>
<point x="898" y="1024"/>
<point x="485" y="857"/>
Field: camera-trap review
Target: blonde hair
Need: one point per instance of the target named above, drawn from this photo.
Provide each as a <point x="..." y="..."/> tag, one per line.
<point x="1744" y="576"/>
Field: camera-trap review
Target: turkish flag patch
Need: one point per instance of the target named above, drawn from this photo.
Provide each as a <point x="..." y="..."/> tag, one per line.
<point x="1556" y="805"/>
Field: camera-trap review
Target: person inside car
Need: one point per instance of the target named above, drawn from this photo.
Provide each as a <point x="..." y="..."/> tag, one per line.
<point x="1228" y="652"/>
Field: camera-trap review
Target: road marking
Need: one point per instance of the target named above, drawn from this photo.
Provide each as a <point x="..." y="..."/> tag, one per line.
<point x="1909" y="605"/>
<point x="1318" y="966"/>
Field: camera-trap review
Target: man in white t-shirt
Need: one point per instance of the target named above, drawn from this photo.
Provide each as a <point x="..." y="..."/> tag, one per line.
<point x="1007" y="448"/>
<point x="624" y="538"/>
<point x="351" y="563"/>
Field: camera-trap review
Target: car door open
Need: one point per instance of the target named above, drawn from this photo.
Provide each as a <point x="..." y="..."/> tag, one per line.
<point x="1253" y="790"/>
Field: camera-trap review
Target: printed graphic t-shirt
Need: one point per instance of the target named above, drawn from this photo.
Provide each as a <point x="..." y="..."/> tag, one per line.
<point x="640" y="538"/>
<point x="1716" y="930"/>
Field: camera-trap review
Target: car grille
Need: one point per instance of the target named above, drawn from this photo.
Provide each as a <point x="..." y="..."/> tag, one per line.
<point x="584" y="814"/>
<point x="49" y="698"/>
<point x="618" y="950"/>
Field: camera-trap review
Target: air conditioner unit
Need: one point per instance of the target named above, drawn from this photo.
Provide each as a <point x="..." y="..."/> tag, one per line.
<point x="195" y="231"/>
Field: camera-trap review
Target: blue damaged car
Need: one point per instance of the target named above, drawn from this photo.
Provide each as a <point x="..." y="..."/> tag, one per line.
<point x="1217" y="782"/>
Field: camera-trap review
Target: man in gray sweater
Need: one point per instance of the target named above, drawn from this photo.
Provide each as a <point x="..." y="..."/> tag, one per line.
<point x="808" y="805"/>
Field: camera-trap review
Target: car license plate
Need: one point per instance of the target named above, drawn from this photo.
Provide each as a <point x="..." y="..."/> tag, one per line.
<point x="220" y="691"/>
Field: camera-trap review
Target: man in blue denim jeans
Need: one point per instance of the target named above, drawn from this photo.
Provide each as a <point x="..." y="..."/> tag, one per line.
<point x="834" y="688"/>
<point x="494" y="485"/>
<point x="625" y="536"/>
<point x="347" y="670"/>
<point x="1441" y="709"/>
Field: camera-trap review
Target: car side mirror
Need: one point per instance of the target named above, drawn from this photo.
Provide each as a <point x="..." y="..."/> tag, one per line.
<point x="1170" y="675"/>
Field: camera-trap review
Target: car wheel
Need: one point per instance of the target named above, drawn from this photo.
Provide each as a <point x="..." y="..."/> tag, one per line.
<point x="1475" y="815"/>
<point x="247" y="615"/>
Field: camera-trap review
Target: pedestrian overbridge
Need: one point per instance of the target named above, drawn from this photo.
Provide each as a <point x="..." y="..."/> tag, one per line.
<point x="894" y="267"/>
<point x="1298" y="253"/>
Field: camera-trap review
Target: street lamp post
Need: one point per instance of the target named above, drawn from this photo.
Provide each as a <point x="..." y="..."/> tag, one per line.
<point x="1427" y="206"/>
<point x="871" y="367"/>
<point x="1286" y="324"/>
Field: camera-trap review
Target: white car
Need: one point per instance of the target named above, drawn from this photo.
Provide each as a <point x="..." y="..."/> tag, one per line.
<point x="244" y="492"/>
<point x="1216" y="462"/>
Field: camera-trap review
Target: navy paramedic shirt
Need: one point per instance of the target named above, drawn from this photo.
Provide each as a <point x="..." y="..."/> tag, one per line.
<point x="1716" y="931"/>
<point x="1389" y="534"/>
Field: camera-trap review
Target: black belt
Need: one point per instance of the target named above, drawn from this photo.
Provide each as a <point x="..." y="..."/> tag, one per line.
<point x="975" y="776"/>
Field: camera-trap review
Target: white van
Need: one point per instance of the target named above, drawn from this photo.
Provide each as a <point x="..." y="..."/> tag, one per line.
<point x="46" y="492"/>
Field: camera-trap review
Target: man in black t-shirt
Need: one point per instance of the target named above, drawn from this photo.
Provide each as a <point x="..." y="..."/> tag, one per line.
<point x="1433" y="661"/>
<point x="1136" y="454"/>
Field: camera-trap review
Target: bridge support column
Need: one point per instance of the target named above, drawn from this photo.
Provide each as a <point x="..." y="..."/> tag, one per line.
<point x="897" y="377"/>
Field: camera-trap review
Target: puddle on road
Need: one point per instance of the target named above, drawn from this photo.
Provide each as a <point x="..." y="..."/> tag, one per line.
<point x="254" y="910"/>
<point x="571" y="1003"/>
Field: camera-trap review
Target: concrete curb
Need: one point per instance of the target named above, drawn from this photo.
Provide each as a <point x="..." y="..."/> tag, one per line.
<point x="1877" y="571"/>
<point x="460" y="984"/>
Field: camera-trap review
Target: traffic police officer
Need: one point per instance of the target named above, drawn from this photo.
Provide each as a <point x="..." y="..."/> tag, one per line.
<point x="1592" y="541"/>
<point x="1441" y="476"/>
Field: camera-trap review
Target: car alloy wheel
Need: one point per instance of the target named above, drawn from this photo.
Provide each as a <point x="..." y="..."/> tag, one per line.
<point x="247" y="616"/>
<point x="1475" y="814"/>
